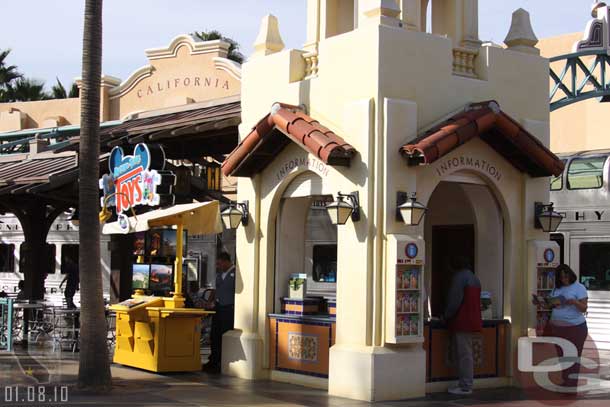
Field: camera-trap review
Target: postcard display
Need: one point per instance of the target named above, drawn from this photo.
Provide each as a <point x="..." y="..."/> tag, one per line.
<point x="405" y="281"/>
<point x="543" y="258"/>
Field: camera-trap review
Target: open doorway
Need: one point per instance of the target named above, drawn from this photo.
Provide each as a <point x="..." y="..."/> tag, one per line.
<point x="464" y="218"/>
<point x="448" y="241"/>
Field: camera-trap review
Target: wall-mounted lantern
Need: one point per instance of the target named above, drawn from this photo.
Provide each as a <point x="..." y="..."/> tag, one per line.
<point x="340" y="210"/>
<point x="236" y="212"/>
<point x="408" y="210"/>
<point x="74" y="217"/>
<point x="546" y="218"/>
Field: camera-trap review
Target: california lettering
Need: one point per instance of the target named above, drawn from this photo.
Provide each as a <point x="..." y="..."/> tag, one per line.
<point x="186" y="82"/>
<point x="468" y="162"/>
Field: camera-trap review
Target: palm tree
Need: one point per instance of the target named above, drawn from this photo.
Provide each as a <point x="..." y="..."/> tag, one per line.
<point x="24" y="90"/>
<point x="94" y="366"/>
<point x="8" y="73"/>
<point x="58" y="91"/>
<point x="234" y="53"/>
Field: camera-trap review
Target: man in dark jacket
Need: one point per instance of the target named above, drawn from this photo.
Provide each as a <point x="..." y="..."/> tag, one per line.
<point x="71" y="280"/>
<point x="222" y="320"/>
<point x="463" y="315"/>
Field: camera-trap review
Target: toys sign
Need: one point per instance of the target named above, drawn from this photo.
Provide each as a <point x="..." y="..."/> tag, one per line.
<point x="134" y="181"/>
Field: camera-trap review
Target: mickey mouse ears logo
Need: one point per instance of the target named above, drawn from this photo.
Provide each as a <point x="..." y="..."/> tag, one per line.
<point x="144" y="156"/>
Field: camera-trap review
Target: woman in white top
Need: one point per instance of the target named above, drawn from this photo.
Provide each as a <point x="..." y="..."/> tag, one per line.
<point x="567" y="318"/>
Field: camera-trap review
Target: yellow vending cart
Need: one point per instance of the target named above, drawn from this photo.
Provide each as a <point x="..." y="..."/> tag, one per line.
<point x="158" y="333"/>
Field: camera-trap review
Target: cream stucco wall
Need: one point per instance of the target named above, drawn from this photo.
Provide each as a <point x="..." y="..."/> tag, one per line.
<point x="377" y="87"/>
<point x="24" y="115"/>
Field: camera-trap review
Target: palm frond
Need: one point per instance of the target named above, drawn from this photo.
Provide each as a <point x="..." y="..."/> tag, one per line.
<point x="233" y="53"/>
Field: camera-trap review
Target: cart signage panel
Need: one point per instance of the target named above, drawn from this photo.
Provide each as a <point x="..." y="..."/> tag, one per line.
<point x="137" y="179"/>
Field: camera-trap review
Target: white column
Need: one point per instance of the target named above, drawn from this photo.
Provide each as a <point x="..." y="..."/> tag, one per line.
<point x="411" y="14"/>
<point x="313" y="25"/>
<point x="470" y="30"/>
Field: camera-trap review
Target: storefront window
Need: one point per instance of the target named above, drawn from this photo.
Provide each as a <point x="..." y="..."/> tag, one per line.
<point x="7" y="258"/>
<point x="325" y="263"/>
<point x="586" y="173"/>
<point x="68" y="251"/>
<point x="595" y="265"/>
<point x="321" y="245"/>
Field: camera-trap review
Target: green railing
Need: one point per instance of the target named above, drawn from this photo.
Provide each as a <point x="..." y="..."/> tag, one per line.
<point x="6" y="324"/>
<point x="578" y="81"/>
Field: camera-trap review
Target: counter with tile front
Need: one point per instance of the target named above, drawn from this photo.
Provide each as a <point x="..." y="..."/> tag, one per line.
<point x="490" y="348"/>
<point x="301" y="343"/>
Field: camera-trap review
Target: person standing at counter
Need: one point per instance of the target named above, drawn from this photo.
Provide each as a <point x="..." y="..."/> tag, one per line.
<point x="463" y="316"/>
<point x="569" y="303"/>
<point x="222" y="320"/>
<point x="71" y="280"/>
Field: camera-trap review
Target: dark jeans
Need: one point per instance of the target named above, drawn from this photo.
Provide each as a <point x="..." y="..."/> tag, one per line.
<point x="69" y="294"/>
<point x="222" y="321"/>
<point x="576" y="334"/>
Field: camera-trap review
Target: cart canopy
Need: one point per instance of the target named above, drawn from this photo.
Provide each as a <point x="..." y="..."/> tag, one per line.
<point x="200" y="218"/>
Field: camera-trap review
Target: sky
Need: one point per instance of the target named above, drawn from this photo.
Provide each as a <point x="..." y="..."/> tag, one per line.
<point x="45" y="35"/>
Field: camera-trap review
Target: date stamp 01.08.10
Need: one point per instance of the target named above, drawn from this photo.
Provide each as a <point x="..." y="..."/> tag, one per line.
<point x="35" y="395"/>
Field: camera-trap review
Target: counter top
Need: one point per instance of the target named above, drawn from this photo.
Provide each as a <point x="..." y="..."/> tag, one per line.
<point x="305" y="318"/>
<point x="438" y="324"/>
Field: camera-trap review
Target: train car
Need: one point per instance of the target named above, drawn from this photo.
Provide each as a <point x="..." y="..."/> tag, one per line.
<point x="63" y="239"/>
<point x="582" y="195"/>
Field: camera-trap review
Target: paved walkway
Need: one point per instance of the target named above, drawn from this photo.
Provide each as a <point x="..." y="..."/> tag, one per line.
<point x="133" y="387"/>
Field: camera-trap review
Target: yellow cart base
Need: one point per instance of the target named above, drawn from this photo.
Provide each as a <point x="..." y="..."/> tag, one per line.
<point x="152" y="334"/>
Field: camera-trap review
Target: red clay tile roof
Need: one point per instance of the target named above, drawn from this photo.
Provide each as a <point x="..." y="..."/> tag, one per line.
<point x="493" y="126"/>
<point x="285" y="123"/>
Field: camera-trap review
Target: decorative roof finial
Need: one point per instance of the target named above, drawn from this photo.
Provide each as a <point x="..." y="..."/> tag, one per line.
<point x="521" y="35"/>
<point x="269" y="40"/>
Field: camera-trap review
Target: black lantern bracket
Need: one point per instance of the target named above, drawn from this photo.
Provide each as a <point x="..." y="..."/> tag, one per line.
<point x="244" y="207"/>
<point x="354" y="198"/>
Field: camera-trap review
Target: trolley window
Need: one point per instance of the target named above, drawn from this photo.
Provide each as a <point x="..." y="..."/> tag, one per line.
<point x="48" y="263"/>
<point x="557" y="182"/>
<point x="586" y="173"/>
<point x="595" y="265"/>
<point x="68" y="251"/>
<point x="7" y="258"/>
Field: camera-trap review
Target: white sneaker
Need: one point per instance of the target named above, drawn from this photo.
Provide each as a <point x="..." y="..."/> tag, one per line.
<point x="459" y="391"/>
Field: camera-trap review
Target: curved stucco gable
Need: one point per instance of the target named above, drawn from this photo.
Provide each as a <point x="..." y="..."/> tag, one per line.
<point x="195" y="45"/>
<point x="188" y="70"/>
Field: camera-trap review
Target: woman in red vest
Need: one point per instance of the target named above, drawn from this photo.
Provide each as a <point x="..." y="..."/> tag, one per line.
<point x="463" y="316"/>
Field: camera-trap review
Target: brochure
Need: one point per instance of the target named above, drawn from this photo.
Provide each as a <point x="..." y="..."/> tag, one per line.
<point x="550" y="301"/>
